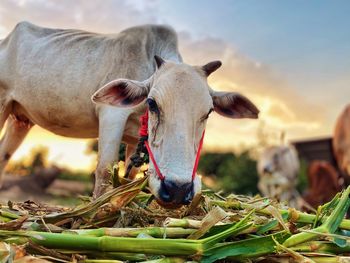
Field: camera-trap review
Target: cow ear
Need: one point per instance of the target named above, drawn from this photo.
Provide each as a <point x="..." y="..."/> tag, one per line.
<point x="121" y="93"/>
<point x="234" y="105"/>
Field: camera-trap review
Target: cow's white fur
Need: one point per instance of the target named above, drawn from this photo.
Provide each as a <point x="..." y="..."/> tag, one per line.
<point x="47" y="77"/>
<point x="278" y="168"/>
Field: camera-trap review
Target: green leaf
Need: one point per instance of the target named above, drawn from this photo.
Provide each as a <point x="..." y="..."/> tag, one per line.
<point x="249" y="248"/>
<point x="340" y="242"/>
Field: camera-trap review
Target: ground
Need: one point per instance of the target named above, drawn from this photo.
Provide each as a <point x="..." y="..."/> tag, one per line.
<point x="60" y="192"/>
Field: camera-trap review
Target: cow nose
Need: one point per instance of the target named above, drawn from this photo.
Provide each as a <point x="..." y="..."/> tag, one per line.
<point x="267" y="169"/>
<point x="171" y="192"/>
<point x="188" y="197"/>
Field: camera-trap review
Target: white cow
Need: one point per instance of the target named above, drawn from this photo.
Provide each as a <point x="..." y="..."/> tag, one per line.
<point x="278" y="168"/>
<point x="47" y="77"/>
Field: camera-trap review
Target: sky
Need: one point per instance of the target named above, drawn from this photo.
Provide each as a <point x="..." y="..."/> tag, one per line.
<point x="291" y="58"/>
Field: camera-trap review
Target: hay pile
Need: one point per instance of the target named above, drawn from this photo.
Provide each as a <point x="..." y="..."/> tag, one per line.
<point x="126" y="225"/>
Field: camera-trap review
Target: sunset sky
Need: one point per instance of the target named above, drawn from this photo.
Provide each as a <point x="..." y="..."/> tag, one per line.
<point x="291" y="58"/>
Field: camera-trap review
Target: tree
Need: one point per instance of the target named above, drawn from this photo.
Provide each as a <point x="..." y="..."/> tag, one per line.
<point x="233" y="173"/>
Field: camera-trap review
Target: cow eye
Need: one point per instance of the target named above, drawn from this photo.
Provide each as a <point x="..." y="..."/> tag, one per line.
<point x="152" y="105"/>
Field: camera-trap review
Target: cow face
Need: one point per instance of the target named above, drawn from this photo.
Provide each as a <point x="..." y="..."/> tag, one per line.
<point x="179" y="101"/>
<point x="278" y="162"/>
<point x="270" y="160"/>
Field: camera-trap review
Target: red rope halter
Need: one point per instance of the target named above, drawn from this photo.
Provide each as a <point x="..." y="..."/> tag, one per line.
<point x="143" y="132"/>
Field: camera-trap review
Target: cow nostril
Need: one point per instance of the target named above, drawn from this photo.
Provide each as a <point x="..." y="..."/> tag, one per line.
<point x="164" y="193"/>
<point x="267" y="170"/>
<point x="188" y="198"/>
<point x="189" y="195"/>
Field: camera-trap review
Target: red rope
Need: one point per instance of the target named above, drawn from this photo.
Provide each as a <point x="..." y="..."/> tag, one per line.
<point x="143" y="132"/>
<point x="151" y="156"/>
<point x="198" y="156"/>
<point x="144" y="124"/>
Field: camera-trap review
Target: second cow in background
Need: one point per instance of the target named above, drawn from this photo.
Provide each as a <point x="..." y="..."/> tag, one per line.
<point x="324" y="183"/>
<point x="278" y="168"/>
<point x="341" y="143"/>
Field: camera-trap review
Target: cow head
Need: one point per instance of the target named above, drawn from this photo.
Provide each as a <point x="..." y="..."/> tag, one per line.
<point x="179" y="101"/>
<point x="279" y="161"/>
<point x="271" y="160"/>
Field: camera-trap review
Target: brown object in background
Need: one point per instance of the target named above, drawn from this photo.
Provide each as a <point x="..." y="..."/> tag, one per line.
<point x="324" y="183"/>
<point x="37" y="182"/>
<point x="341" y="143"/>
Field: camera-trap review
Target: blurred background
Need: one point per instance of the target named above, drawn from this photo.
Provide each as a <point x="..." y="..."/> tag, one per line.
<point x="291" y="58"/>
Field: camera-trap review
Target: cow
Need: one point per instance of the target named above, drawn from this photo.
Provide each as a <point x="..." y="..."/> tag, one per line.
<point x="48" y="77"/>
<point x="323" y="183"/>
<point x="341" y="143"/>
<point x="278" y="168"/>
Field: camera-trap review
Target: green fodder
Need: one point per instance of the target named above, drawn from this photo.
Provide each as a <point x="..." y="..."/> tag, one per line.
<point x="125" y="224"/>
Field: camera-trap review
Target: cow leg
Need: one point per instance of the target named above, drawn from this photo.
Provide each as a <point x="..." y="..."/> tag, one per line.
<point x="111" y="128"/>
<point x="277" y="193"/>
<point x="273" y="191"/>
<point x="263" y="188"/>
<point x="5" y="109"/>
<point x="16" y="131"/>
<point x="4" y="113"/>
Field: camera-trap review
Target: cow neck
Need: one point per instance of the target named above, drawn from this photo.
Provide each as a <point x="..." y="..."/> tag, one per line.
<point x="143" y="132"/>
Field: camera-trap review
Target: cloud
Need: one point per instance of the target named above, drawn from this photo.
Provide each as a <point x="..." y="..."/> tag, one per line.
<point x="108" y="16"/>
<point x="282" y="108"/>
<point x="281" y="112"/>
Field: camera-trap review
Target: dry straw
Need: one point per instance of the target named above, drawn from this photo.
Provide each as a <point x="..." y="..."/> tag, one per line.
<point x="125" y="225"/>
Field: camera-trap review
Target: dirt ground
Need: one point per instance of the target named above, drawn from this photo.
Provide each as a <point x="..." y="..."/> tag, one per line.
<point x="60" y="192"/>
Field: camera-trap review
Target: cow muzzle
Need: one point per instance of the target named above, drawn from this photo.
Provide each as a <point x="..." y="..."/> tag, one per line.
<point x="268" y="170"/>
<point x="172" y="193"/>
